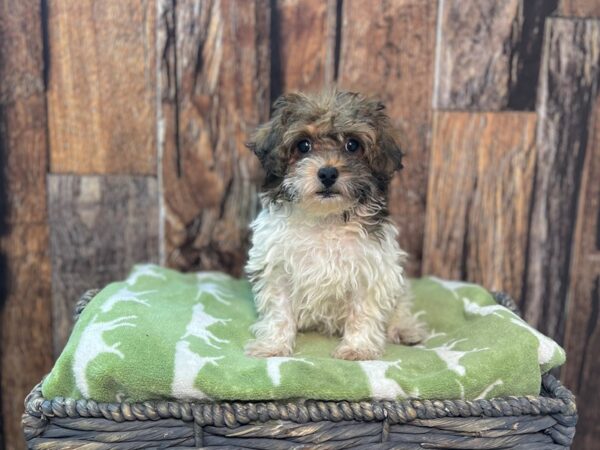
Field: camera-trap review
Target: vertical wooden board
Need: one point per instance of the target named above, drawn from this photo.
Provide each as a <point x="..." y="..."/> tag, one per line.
<point x="215" y="91"/>
<point x="102" y="86"/>
<point x="20" y="50"/>
<point x="452" y="185"/>
<point x="581" y="374"/>
<point x="22" y="113"/>
<point x="23" y="149"/>
<point x="25" y="319"/>
<point x="488" y="53"/>
<point x="303" y="45"/>
<point x="100" y="226"/>
<point x="388" y="52"/>
<point x="26" y="323"/>
<point x="478" y="205"/>
<point x="25" y="304"/>
<point x="569" y="79"/>
<point x="580" y="8"/>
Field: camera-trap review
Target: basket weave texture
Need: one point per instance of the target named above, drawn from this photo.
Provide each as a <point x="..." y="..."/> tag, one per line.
<point x="544" y="422"/>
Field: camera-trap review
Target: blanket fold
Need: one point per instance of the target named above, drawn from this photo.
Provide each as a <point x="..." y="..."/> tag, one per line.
<point x="161" y="334"/>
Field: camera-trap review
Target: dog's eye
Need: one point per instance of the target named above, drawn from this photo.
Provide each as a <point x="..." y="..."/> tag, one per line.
<point x="304" y="146"/>
<point x="352" y="145"/>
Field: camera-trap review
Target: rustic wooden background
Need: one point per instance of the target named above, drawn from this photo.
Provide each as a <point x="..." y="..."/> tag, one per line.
<point x="122" y="125"/>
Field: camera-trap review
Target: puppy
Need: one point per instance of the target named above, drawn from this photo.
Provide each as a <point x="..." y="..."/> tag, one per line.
<point x="324" y="253"/>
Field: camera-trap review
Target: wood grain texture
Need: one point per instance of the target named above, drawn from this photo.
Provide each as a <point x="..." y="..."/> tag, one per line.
<point x="20" y="50"/>
<point x="488" y="53"/>
<point x="389" y="53"/>
<point x="582" y="336"/>
<point x="303" y="45"/>
<point x="22" y="114"/>
<point x="481" y="179"/>
<point x="25" y="309"/>
<point x="102" y="86"/>
<point x="215" y="91"/>
<point x="23" y="146"/>
<point x="99" y="227"/>
<point x="26" y="323"/>
<point x="569" y="79"/>
<point x="580" y="8"/>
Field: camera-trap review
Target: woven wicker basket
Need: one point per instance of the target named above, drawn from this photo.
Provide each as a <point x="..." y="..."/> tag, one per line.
<point x="545" y="422"/>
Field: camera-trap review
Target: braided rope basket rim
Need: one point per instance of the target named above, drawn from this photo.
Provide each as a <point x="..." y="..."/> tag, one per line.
<point x="555" y="400"/>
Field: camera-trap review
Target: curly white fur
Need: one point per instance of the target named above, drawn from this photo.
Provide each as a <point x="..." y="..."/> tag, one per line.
<point x="330" y="275"/>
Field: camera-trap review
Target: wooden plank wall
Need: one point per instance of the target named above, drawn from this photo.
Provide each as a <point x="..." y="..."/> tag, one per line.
<point x="102" y="90"/>
<point x="303" y="45"/>
<point x="25" y="321"/>
<point x="122" y="126"/>
<point x="488" y="53"/>
<point x="214" y="80"/>
<point x="568" y="86"/>
<point x="486" y="174"/>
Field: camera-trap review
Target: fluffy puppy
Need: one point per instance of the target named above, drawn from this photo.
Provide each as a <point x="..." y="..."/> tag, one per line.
<point x="324" y="253"/>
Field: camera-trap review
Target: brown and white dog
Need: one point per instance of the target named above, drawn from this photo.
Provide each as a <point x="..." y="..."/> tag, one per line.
<point x="324" y="252"/>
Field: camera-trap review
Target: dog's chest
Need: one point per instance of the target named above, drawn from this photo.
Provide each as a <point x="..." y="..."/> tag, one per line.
<point x="324" y="269"/>
<point x="323" y="251"/>
<point x="327" y="265"/>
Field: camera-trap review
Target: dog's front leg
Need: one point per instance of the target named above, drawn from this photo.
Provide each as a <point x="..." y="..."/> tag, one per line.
<point x="364" y="334"/>
<point x="276" y="329"/>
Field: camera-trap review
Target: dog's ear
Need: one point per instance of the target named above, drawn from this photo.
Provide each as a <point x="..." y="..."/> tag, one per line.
<point x="266" y="142"/>
<point x="387" y="157"/>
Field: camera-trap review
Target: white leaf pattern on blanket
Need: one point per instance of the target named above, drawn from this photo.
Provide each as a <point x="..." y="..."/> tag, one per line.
<point x="124" y="295"/>
<point x="489" y="389"/>
<point x="274" y="367"/>
<point x="213" y="276"/>
<point x="452" y="285"/>
<point x="217" y="292"/>
<point x="546" y="346"/>
<point x="381" y="386"/>
<point x="92" y="344"/>
<point x="188" y="365"/>
<point x="484" y="393"/>
<point x="198" y="327"/>
<point x="434" y="334"/>
<point x="461" y="387"/>
<point x="476" y="309"/>
<point x="145" y="270"/>
<point x="450" y="356"/>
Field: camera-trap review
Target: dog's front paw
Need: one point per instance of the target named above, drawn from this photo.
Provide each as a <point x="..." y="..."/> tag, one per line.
<point x="349" y="353"/>
<point x="412" y="334"/>
<point x="264" y="349"/>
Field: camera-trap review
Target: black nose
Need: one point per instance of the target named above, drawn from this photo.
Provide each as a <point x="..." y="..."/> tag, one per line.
<point x="327" y="175"/>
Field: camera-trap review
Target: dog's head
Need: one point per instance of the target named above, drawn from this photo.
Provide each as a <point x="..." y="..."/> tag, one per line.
<point x="327" y="153"/>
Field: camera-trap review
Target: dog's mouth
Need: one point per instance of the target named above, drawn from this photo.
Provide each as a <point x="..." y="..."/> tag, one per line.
<point x="328" y="193"/>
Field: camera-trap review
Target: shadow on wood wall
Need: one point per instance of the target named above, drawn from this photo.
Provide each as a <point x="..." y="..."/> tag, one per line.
<point x="5" y="287"/>
<point x="122" y="127"/>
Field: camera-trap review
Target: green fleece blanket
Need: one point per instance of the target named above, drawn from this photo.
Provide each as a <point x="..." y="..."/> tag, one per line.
<point x="162" y="334"/>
